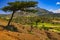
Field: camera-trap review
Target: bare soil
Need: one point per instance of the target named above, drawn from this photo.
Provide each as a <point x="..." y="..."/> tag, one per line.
<point x="25" y="34"/>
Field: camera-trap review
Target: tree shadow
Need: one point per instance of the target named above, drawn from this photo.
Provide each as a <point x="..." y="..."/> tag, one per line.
<point x="10" y="28"/>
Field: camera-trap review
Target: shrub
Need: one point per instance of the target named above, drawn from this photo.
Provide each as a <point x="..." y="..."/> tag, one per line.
<point x="45" y="28"/>
<point x="11" y="28"/>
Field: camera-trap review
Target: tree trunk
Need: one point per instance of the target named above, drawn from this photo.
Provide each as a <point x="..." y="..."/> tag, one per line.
<point x="36" y="24"/>
<point x="11" y="18"/>
<point x="31" y="27"/>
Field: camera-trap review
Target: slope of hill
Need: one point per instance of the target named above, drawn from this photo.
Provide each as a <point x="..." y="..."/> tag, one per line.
<point x="24" y="34"/>
<point x="57" y="15"/>
<point x="41" y="12"/>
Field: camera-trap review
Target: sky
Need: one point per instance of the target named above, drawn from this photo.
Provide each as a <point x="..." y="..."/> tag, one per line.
<point x="51" y="5"/>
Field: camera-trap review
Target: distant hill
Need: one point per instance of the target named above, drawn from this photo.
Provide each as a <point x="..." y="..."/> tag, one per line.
<point x="57" y="15"/>
<point x="41" y="12"/>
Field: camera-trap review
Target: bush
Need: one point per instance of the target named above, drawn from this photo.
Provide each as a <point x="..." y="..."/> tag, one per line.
<point x="11" y="28"/>
<point x="45" y="28"/>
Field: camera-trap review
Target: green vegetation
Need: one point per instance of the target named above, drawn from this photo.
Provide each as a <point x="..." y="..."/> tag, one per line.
<point x="38" y="22"/>
<point x="43" y="21"/>
<point x="19" y="6"/>
<point x="16" y="6"/>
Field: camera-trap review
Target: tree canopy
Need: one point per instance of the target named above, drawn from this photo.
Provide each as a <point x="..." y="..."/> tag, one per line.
<point x="17" y="5"/>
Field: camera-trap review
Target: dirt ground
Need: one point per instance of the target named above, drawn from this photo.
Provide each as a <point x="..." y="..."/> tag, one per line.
<point x="25" y="34"/>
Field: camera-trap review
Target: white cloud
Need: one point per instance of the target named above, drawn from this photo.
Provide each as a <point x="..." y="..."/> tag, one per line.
<point x="58" y="3"/>
<point x="55" y="11"/>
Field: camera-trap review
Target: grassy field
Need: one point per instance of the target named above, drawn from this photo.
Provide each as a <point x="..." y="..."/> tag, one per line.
<point x="47" y="26"/>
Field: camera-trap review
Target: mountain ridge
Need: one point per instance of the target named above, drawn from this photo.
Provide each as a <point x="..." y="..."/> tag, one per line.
<point x="39" y="13"/>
